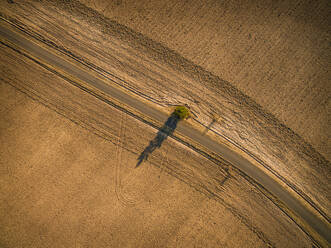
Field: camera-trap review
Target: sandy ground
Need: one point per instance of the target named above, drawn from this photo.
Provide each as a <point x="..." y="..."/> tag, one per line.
<point x="68" y="162"/>
<point x="68" y="177"/>
<point x="276" y="52"/>
<point x="156" y="73"/>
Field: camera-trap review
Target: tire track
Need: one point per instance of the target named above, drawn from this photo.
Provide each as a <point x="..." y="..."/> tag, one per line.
<point x="124" y="198"/>
<point x="119" y="155"/>
<point x="130" y="200"/>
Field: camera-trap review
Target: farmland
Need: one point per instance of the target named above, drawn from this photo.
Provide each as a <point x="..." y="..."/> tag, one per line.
<point x="69" y="161"/>
<point x="69" y="177"/>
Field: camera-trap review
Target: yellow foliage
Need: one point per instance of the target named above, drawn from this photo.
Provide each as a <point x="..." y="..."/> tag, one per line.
<point x="182" y="112"/>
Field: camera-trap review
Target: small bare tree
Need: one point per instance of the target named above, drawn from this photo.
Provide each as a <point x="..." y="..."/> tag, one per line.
<point x="215" y="119"/>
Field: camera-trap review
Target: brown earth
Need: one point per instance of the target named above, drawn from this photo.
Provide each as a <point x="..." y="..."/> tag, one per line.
<point x="276" y="52"/>
<point x="156" y="73"/>
<point x="68" y="177"/>
<point x="268" y="51"/>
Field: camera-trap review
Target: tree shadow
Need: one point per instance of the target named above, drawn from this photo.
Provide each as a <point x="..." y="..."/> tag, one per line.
<point x="167" y="129"/>
<point x="209" y="127"/>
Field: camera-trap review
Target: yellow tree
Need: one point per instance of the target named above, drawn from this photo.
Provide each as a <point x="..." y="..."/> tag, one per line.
<point x="182" y="112"/>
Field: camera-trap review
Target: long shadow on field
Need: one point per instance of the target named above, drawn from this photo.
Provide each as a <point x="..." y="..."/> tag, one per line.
<point x="167" y="129"/>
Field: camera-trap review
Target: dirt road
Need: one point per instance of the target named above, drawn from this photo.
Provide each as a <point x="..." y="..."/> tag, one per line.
<point x="183" y="128"/>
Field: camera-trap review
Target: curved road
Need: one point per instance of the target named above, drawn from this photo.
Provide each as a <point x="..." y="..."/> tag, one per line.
<point x="17" y="38"/>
